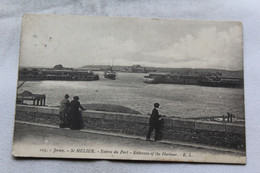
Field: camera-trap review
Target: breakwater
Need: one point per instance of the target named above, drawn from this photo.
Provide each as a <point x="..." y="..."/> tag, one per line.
<point x="191" y="131"/>
<point x="212" y="81"/>
<point x="52" y="74"/>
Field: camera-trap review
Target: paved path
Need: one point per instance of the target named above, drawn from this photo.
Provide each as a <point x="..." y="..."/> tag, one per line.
<point x="39" y="134"/>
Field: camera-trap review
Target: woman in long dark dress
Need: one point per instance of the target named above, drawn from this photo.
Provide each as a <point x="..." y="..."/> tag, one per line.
<point x="76" y="116"/>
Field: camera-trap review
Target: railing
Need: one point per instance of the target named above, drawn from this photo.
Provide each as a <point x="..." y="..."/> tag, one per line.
<point x="224" y="118"/>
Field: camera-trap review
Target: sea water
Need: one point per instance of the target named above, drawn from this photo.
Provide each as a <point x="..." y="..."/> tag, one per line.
<point x="129" y="90"/>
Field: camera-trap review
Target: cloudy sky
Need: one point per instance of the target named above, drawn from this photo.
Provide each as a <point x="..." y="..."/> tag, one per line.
<point x="75" y="41"/>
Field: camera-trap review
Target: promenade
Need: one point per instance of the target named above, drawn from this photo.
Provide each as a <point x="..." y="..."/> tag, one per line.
<point x="39" y="135"/>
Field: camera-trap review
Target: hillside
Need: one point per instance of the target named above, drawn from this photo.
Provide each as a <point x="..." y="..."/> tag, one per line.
<point x="181" y="71"/>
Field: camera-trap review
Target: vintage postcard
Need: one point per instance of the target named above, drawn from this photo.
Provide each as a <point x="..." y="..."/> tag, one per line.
<point x="130" y="89"/>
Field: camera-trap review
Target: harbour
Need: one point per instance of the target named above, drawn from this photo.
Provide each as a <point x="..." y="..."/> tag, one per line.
<point x="129" y="90"/>
<point x="184" y="76"/>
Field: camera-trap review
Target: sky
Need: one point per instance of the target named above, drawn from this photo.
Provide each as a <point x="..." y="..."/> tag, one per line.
<point x="75" y="41"/>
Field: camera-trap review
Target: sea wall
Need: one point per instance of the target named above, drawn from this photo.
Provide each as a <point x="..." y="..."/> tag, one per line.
<point x="191" y="131"/>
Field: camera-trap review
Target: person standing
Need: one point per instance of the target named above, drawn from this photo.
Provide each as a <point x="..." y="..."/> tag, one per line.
<point x="64" y="111"/>
<point x="154" y="123"/>
<point x="76" y="116"/>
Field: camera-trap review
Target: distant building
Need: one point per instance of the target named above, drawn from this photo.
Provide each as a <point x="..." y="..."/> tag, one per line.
<point x="137" y="69"/>
<point x="58" y="67"/>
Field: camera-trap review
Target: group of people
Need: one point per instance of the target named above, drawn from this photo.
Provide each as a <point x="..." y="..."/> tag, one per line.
<point x="70" y="115"/>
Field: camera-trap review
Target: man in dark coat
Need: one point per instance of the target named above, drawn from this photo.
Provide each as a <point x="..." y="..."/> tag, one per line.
<point x="64" y="111"/>
<point x="154" y="123"/>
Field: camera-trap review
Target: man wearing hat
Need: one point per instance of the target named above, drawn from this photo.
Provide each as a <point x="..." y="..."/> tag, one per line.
<point x="64" y="111"/>
<point x="154" y="123"/>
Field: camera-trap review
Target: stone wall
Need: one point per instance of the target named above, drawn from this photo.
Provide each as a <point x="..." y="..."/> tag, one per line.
<point x="192" y="131"/>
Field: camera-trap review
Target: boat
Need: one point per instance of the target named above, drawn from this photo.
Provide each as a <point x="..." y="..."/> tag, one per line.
<point x="149" y="80"/>
<point x="110" y="74"/>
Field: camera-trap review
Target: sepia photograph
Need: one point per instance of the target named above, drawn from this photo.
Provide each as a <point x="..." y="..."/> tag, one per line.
<point x="130" y="89"/>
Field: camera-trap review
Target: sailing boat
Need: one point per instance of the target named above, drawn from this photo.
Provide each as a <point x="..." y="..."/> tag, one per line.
<point x="109" y="73"/>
